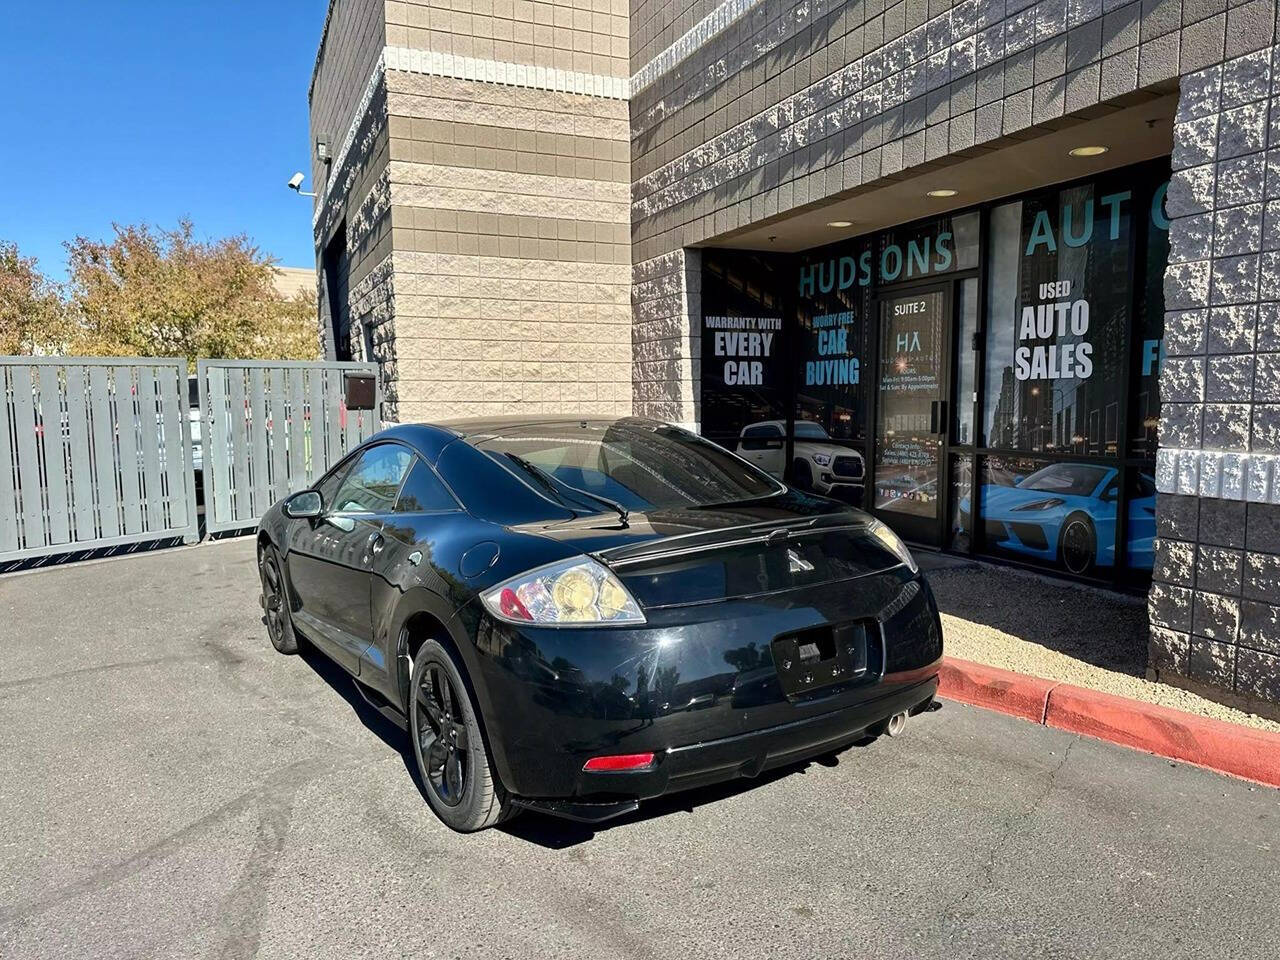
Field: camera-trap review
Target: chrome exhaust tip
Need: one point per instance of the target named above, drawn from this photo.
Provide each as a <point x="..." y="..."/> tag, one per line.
<point x="897" y="724"/>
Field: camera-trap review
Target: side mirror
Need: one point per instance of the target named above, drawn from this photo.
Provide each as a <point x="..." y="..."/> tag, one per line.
<point x="306" y="505"/>
<point x="1017" y="481"/>
<point x="773" y="444"/>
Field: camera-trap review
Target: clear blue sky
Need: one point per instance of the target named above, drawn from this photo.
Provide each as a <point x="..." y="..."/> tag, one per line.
<point x="142" y="110"/>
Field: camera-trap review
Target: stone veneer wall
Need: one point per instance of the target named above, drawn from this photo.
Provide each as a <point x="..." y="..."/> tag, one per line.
<point x="1214" y="603"/>
<point x="348" y="108"/>
<point x="666" y="306"/>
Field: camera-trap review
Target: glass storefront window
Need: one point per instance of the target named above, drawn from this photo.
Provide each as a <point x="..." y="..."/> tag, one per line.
<point x="961" y="533"/>
<point x="925" y="249"/>
<point x="743" y="368"/>
<point x="1060" y="293"/>
<point x="1010" y="410"/>
<point x="832" y="341"/>
<point x="1148" y="331"/>
<point x="908" y="442"/>
<point x="1059" y="514"/>
<point x="966" y="362"/>
<point x="1141" y="527"/>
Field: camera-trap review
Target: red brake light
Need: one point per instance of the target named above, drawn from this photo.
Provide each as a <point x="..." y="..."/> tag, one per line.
<point x="511" y="606"/>
<point x="620" y="761"/>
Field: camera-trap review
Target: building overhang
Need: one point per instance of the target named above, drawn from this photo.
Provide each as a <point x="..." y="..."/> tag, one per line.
<point x="1138" y="128"/>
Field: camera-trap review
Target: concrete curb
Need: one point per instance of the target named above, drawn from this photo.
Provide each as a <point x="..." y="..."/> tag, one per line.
<point x="1225" y="747"/>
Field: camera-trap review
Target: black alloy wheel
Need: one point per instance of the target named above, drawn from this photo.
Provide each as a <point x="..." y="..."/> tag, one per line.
<point x="1078" y="545"/>
<point x="442" y="739"/>
<point x="451" y="754"/>
<point x="275" y="602"/>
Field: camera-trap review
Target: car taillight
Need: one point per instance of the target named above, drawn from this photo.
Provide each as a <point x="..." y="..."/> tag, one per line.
<point x="619" y="761"/>
<point x="574" y="592"/>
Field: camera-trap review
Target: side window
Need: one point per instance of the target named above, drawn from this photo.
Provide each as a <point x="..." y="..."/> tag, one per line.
<point x="371" y="485"/>
<point x="423" y="492"/>
<point x="758" y="437"/>
<point x="328" y="487"/>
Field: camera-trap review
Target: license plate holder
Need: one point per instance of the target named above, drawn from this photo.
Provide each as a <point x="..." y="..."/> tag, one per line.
<point x="822" y="656"/>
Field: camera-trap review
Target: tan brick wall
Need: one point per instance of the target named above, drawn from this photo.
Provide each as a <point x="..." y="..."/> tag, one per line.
<point x="480" y="335"/>
<point x="589" y="36"/>
<point x="510" y="216"/>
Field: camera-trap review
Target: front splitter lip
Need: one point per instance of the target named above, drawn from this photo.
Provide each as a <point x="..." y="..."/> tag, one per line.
<point x="601" y="796"/>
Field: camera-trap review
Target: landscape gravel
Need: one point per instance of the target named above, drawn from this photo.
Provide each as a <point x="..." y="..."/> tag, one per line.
<point x="1028" y="623"/>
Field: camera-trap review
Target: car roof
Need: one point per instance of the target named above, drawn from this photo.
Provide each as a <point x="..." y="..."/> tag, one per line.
<point x="431" y="438"/>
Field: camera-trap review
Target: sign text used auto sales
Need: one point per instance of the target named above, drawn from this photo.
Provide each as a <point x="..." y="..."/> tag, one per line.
<point x="1056" y="316"/>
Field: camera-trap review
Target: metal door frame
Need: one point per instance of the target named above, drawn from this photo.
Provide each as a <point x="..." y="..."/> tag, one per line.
<point x="946" y="285"/>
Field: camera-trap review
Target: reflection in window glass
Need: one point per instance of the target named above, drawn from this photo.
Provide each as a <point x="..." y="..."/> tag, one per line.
<point x="1141" y="529"/>
<point x="743" y="363"/>
<point x="828" y="466"/>
<point x="629" y="462"/>
<point x="833" y="343"/>
<point x="1144" y="417"/>
<point x="1058" y="514"/>
<point x="371" y="485"/>
<point x="423" y="492"/>
<point x="961" y="537"/>
<point x="1060" y="283"/>
<point x="966" y="362"/>
<point x="763" y="444"/>
<point x="911" y="376"/>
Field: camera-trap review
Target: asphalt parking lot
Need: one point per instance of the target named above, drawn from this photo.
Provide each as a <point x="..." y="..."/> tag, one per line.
<point x="172" y="787"/>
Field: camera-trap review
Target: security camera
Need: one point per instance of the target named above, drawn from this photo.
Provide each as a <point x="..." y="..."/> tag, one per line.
<point x="295" y="182"/>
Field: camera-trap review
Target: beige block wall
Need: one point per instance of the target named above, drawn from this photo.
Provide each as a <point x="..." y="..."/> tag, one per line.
<point x="510" y="214"/>
<point x="589" y="36"/>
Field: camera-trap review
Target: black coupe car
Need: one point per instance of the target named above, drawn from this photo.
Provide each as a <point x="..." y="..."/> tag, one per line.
<point x="574" y="615"/>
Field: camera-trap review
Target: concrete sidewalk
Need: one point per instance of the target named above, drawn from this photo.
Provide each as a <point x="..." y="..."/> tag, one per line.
<point x="1036" y="625"/>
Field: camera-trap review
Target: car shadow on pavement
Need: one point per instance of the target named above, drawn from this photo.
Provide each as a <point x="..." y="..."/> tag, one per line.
<point x="556" y="833"/>
<point x="385" y="729"/>
<point x="542" y="829"/>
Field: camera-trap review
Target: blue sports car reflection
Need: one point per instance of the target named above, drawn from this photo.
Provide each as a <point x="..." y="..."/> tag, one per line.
<point x="1065" y="514"/>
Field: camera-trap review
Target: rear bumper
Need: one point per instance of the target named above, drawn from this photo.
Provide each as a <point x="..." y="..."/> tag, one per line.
<point x="750" y="754"/>
<point x="696" y="687"/>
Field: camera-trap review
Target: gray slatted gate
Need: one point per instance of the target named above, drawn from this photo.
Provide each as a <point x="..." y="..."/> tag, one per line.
<point x="272" y="428"/>
<point x="94" y="452"/>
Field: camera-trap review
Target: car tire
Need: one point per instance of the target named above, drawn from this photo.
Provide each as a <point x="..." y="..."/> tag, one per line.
<point x="802" y="475"/>
<point x="1078" y="545"/>
<point x="275" y="601"/>
<point x="449" y="748"/>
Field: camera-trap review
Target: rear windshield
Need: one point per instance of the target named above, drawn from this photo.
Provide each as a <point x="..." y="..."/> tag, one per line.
<point x="637" y="464"/>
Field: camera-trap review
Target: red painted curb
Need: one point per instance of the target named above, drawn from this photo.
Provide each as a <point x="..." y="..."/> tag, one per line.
<point x="982" y="686"/>
<point x="1225" y="747"/>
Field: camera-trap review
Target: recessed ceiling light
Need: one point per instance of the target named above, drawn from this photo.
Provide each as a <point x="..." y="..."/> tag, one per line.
<point x="1096" y="151"/>
<point x="839" y="224"/>
<point x="941" y="194"/>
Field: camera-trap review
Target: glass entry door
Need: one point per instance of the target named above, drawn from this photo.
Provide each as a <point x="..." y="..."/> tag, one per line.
<point x="911" y="416"/>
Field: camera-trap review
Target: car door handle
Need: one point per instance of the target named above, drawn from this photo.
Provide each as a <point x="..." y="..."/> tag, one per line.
<point x="376" y="543"/>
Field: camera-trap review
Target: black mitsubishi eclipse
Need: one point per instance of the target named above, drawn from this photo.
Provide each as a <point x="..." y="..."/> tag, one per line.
<point x="575" y="615"/>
